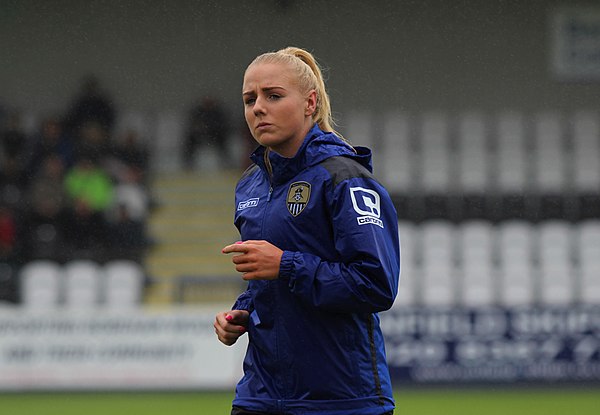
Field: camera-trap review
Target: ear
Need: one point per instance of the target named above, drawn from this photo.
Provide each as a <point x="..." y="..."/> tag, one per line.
<point x="311" y="103"/>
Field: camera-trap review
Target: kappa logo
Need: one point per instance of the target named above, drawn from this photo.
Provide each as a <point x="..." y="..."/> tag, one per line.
<point x="297" y="197"/>
<point x="367" y="204"/>
<point x="248" y="203"/>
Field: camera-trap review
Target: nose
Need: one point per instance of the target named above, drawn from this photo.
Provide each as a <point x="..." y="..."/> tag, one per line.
<point x="258" y="106"/>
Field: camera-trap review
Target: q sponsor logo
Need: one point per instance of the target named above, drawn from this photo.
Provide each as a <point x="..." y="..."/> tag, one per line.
<point x="248" y="203"/>
<point x="366" y="203"/>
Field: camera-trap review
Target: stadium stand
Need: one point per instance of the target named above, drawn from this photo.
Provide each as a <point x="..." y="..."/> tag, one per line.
<point x="494" y="209"/>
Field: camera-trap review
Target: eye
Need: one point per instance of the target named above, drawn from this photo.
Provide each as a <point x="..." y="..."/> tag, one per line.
<point x="274" y="97"/>
<point x="249" y="101"/>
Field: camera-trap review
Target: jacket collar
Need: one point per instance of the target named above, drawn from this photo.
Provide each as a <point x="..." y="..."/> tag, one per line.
<point x="316" y="147"/>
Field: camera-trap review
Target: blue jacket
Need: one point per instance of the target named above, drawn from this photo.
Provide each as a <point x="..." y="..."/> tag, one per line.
<point x="315" y="343"/>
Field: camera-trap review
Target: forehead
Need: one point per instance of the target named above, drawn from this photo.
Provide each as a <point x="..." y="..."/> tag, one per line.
<point x="263" y="75"/>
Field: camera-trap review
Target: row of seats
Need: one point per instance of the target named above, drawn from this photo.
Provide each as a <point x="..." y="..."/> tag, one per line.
<point x="478" y="263"/>
<point x="474" y="152"/>
<point x="436" y="152"/>
<point x="81" y="284"/>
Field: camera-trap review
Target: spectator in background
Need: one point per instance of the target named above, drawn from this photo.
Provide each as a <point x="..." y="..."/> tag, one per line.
<point x="43" y="233"/>
<point x="51" y="140"/>
<point x="90" y="192"/>
<point x="207" y="125"/>
<point x="130" y="151"/>
<point x="92" y="104"/>
<point x="92" y="142"/>
<point x="86" y="232"/>
<point x="88" y="183"/>
<point x="14" y="139"/>
<point x="13" y="181"/>
<point x="8" y="234"/>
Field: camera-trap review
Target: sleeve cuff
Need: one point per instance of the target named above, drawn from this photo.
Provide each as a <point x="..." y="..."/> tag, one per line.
<point x="286" y="266"/>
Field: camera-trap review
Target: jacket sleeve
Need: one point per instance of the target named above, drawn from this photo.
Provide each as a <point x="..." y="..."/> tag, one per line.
<point x="244" y="302"/>
<point x="364" y="276"/>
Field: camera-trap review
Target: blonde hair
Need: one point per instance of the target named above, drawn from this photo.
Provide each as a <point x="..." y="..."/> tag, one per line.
<point x="309" y="77"/>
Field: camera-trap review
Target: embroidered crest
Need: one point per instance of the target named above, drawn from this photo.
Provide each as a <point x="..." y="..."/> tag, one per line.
<point x="297" y="197"/>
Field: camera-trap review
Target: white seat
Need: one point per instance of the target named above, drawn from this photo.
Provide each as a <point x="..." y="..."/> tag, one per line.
<point x="408" y="277"/>
<point x="477" y="285"/>
<point x="124" y="284"/>
<point x="587" y="236"/>
<point x="587" y="241"/>
<point x="473" y="154"/>
<point x="170" y="130"/>
<point x="397" y="153"/>
<point x="517" y="284"/>
<point x="511" y="167"/>
<point x="435" y="173"/>
<point x="82" y="284"/>
<point x="515" y="254"/>
<point x="476" y="259"/>
<point x="438" y="285"/>
<point x="438" y="273"/>
<point x="549" y="161"/>
<point x="586" y="151"/>
<point x="360" y="132"/>
<point x="137" y="121"/>
<point x="438" y="242"/>
<point x="557" y="275"/>
<point x="41" y="285"/>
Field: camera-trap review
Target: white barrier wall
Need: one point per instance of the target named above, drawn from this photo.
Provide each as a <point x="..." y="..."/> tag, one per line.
<point x="171" y="349"/>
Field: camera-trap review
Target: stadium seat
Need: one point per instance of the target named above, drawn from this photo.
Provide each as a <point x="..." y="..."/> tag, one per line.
<point x="516" y="273"/>
<point x="137" y="121"/>
<point x="586" y="152"/>
<point x="407" y="290"/>
<point x="435" y="153"/>
<point x="360" y="131"/>
<point x="82" y="285"/>
<point x="477" y="272"/>
<point x="549" y="160"/>
<point x="40" y="285"/>
<point x="473" y="154"/>
<point x="557" y="275"/>
<point x="397" y="153"/>
<point x="511" y="167"/>
<point x="169" y="135"/>
<point x="438" y="270"/>
<point x="588" y="259"/>
<point x="124" y="284"/>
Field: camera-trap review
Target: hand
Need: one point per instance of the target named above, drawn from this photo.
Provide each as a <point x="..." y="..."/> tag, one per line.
<point x="230" y="325"/>
<point x="259" y="260"/>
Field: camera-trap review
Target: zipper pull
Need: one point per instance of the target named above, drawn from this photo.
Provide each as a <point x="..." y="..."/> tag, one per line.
<point x="270" y="193"/>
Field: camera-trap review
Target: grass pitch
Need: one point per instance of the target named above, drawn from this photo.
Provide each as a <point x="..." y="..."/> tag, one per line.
<point x="526" y="401"/>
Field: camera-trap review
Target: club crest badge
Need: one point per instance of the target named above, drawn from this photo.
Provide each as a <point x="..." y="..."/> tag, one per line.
<point x="297" y="197"/>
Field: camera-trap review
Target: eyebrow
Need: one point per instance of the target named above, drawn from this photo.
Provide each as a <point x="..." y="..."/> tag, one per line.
<point x="266" y="89"/>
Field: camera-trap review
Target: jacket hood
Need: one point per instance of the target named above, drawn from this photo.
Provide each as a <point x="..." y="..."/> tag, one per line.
<point x="317" y="147"/>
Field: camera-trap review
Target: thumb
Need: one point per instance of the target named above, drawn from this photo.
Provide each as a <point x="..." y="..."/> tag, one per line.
<point x="237" y="316"/>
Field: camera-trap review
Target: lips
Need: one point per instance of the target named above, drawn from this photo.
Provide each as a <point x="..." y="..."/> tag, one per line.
<point x="263" y="124"/>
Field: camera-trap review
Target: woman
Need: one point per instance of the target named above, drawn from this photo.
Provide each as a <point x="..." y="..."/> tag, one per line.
<point x="320" y="251"/>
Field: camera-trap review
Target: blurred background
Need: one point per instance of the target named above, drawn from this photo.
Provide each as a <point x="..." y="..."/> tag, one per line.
<point x="122" y="137"/>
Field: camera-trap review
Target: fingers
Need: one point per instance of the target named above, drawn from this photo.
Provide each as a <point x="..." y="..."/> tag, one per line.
<point x="235" y="247"/>
<point x="256" y="259"/>
<point x="228" y="326"/>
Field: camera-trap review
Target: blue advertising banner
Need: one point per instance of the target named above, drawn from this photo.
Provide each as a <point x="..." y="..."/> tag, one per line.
<point x="539" y="344"/>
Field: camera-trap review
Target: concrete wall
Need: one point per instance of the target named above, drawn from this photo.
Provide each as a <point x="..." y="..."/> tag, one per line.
<point x="415" y="55"/>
